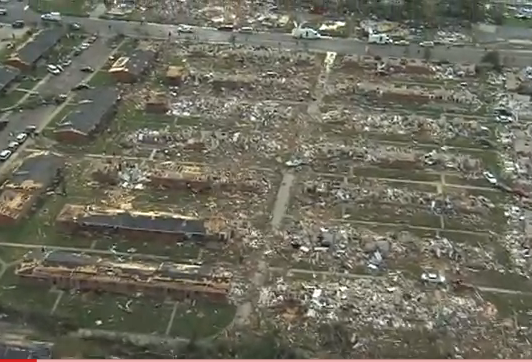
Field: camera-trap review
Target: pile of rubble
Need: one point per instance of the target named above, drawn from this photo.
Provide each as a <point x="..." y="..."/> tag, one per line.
<point x="381" y="303"/>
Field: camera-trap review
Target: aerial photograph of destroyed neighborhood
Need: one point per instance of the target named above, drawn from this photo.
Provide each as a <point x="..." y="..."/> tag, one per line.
<point x="265" y="179"/>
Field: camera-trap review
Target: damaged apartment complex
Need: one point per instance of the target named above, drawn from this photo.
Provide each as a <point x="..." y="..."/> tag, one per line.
<point x="169" y="175"/>
<point x="93" y="273"/>
<point x="37" y="174"/>
<point x="144" y="225"/>
<point x="89" y="116"/>
<point x="129" y="69"/>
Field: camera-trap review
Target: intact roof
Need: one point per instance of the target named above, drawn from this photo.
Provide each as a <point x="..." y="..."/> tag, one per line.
<point x="25" y="351"/>
<point x="7" y="75"/>
<point x="86" y="117"/>
<point x="36" y="171"/>
<point x="39" y="45"/>
<point x="131" y="220"/>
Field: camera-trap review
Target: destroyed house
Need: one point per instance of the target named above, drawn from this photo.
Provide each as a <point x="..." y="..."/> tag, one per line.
<point x="8" y="75"/>
<point x="130" y="68"/>
<point x="200" y="178"/>
<point x="20" y="349"/>
<point x="27" y="183"/>
<point x="414" y="94"/>
<point x="93" y="273"/>
<point x="164" y="226"/>
<point x="37" y="47"/>
<point x="90" y="116"/>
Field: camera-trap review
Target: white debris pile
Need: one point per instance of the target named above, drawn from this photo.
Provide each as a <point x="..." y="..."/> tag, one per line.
<point x="385" y="303"/>
<point x="131" y="176"/>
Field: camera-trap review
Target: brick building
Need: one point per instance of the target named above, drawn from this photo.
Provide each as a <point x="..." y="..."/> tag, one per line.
<point x="94" y="111"/>
<point x="140" y="225"/>
<point x="93" y="273"/>
<point x="27" y="184"/>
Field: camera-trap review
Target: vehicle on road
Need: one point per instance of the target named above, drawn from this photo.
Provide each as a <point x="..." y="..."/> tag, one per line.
<point x="87" y="69"/>
<point x="402" y="42"/>
<point x="5" y="154"/>
<point x="3" y="11"/>
<point x="74" y="26"/>
<point x="427" y="44"/>
<point x="226" y="27"/>
<point x="12" y="146"/>
<point x="490" y="177"/>
<point x="185" y="29"/>
<point x="53" y="16"/>
<point x="66" y="62"/>
<point x="246" y="30"/>
<point x="92" y="39"/>
<point x="18" y="24"/>
<point x="84" y="46"/>
<point x="81" y="86"/>
<point x="300" y="32"/>
<point x="382" y="39"/>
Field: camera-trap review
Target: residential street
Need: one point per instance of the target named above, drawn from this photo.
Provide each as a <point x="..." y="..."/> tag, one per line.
<point x="95" y="57"/>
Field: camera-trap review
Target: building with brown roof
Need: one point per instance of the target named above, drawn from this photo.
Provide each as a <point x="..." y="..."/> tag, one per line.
<point x="27" y="184"/>
<point x="175" y="75"/>
<point x="157" y="102"/>
<point x="130" y="68"/>
<point x="141" y="225"/>
<point x="93" y="273"/>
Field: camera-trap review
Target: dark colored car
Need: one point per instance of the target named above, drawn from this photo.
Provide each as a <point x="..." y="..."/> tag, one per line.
<point x="18" y="24"/>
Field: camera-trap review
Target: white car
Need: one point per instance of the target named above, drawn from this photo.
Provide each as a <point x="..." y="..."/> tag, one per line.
<point x="51" y="17"/>
<point x="246" y="30"/>
<point x="5" y="154"/>
<point x="433" y="277"/>
<point x="186" y="29"/>
<point x="3" y="11"/>
<point x="84" y="46"/>
<point x="489" y="177"/>
<point x="53" y="69"/>
<point x="13" y="145"/>
<point x="402" y="42"/>
<point x="426" y="44"/>
<point x="21" y="137"/>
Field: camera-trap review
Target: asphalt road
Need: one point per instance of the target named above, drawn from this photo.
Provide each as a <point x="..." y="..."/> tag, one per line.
<point x="95" y="57"/>
<point x="512" y="57"/>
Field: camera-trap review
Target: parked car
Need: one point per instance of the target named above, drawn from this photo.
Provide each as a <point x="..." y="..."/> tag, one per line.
<point x="12" y="146"/>
<point x="433" y="277"/>
<point x="18" y="24"/>
<point x="5" y="154"/>
<point x="427" y="44"/>
<point x="87" y="69"/>
<point x="3" y="11"/>
<point x="21" y="137"/>
<point x="66" y="62"/>
<point x="84" y="46"/>
<point x="490" y="177"/>
<point x="53" y="16"/>
<point x="81" y="86"/>
<point x="77" y="51"/>
<point x="54" y="69"/>
<point x="30" y="130"/>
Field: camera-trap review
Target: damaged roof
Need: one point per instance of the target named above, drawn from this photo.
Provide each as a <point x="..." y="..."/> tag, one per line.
<point x="7" y="75"/>
<point x="36" y="172"/>
<point x="41" y="43"/>
<point x="89" y="113"/>
<point x="136" y="63"/>
<point x="133" y="220"/>
<point x="25" y="351"/>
